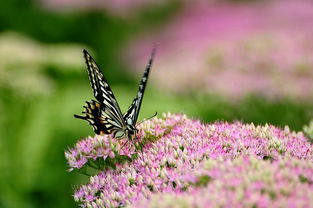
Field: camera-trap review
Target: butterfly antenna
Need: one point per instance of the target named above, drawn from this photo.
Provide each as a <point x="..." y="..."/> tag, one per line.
<point x="156" y="113"/>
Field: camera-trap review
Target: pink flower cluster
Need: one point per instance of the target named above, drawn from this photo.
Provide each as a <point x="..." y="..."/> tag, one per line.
<point x="233" y="50"/>
<point x="91" y="149"/>
<point x="185" y="162"/>
<point x="243" y="182"/>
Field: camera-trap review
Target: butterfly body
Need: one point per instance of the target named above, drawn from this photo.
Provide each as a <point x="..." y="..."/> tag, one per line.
<point x="104" y="113"/>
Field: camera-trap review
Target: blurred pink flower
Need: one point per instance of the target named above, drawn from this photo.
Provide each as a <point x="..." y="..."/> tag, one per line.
<point x="234" y="49"/>
<point x="185" y="162"/>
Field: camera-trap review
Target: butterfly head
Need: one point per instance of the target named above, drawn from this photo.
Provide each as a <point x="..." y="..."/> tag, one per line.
<point x="131" y="131"/>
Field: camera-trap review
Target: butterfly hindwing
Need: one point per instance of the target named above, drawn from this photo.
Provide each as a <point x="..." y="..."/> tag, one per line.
<point x="132" y="113"/>
<point x="93" y="116"/>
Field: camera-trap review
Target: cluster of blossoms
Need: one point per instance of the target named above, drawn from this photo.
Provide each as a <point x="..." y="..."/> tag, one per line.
<point x="243" y="182"/>
<point x="179" y="162"/>
<point x="269" y="51"/>
<point x="99" y="148"/>
<point x="91" y="149"/>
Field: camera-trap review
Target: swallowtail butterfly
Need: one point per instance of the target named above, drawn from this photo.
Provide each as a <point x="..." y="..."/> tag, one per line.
<point x="104" y="113"/>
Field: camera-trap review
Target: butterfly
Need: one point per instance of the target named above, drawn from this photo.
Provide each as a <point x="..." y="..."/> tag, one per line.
<point x="104" y="113"/>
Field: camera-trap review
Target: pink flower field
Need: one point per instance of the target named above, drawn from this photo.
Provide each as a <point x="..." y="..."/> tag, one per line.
<point x="234" y="49"/>
<point x="179" y="162"/>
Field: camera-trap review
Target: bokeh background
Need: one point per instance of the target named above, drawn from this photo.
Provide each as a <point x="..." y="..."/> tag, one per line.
<point x="217" y="60"/>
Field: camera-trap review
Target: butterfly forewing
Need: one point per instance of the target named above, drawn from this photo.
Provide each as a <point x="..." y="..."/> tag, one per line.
<point x="132" y="113"/>
<point x="102" y="90"/>
<point x="106" y="116"/>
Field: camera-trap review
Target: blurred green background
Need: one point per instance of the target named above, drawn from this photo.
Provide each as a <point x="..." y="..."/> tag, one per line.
<point x="43" y="82"/>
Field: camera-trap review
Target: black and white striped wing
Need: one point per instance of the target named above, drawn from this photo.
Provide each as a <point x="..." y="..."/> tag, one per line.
<point x="132" y="113"/>
<point x="96" y="117"/>
<point x="104" y="114"/>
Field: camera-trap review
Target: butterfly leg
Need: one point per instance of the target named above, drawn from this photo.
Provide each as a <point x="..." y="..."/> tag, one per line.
<point x="124" y="144"/>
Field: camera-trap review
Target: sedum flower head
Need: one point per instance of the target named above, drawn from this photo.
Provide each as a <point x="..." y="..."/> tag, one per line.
<point x="179" y="162"/>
